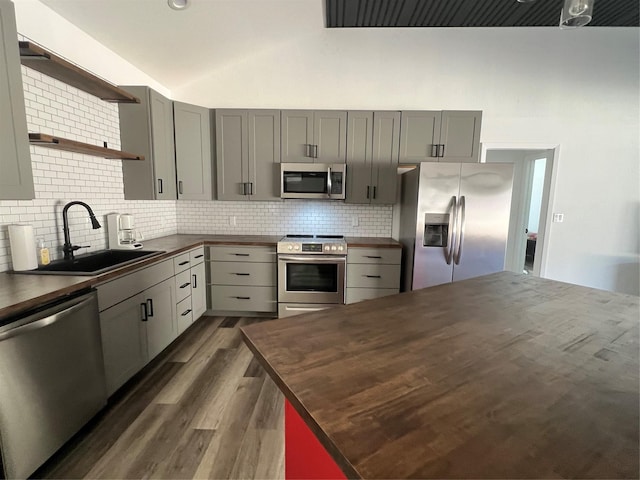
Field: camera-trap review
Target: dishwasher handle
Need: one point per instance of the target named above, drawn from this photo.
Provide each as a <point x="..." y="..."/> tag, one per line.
<point x="47" y="317"/>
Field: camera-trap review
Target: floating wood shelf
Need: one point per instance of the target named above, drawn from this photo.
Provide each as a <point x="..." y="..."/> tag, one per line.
<point x="49" y="141"/>
<point x="37" y="58"/>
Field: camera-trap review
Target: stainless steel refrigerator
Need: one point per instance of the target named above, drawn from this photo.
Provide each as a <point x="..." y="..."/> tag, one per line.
<point x="454" y="221"/>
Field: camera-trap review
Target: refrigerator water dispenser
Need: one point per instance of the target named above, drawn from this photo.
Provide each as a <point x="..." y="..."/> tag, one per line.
<point x="436" y="229"/>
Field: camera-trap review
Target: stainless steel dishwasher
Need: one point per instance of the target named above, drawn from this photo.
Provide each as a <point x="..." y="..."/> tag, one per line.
<point x="51" y="380"/>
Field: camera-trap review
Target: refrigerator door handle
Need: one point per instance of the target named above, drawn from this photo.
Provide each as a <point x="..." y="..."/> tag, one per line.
<point x="451" y="236"/>
<point x="462" y="208"/>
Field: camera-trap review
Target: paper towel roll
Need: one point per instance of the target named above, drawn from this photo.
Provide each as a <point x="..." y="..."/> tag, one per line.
<point x="23" y="247"/>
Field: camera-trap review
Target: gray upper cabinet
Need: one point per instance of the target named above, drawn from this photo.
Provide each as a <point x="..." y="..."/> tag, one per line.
<point x="16" y="177"/>
<point x="147" y="128"/>
<point x="247" y="154"/>
<point x="314" y="136"/>
<point x="372" y="157"/>
<point x="193" y="152"/>
<point x="445" y="136"/>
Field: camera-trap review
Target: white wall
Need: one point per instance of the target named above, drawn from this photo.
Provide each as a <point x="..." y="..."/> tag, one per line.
<point x="578" y="89"/>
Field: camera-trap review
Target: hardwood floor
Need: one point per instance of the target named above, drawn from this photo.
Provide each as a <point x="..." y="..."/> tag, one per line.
<point x="203" y="409"/>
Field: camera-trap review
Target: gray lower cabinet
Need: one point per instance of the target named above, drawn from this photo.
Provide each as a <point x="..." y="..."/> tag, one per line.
<point x="147" y="128"/>
<point x="161" y="328"/>
<point x="191" y="288"/>
<point x="247" y="154"/>
<point x="314" y="136"/>
<point x="372" y="273"/>
<point x="444" y="136"/>
<point x="372" y="156"/>
<point x="16" y="177"/>
<point x="243" y="279"/>
<point x="194" y="159"/>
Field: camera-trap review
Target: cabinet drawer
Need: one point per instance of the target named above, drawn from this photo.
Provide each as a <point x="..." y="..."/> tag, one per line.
<point x="196" y="256"/>
<point x="183" y="285"/>
<point x="181" y="262"/>
<point x="359" y="294"/>
<point x="243" y="273"/>
<point x="391" y="256"/>
<point x="127" y="286"/>
<point x="373" y="276"/>
<point x="243" y="299"/>
<point x="219" y="253"/>
<point x="184" y="314"/>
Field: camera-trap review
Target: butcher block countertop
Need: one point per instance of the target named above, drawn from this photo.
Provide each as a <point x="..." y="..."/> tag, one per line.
<point x="502" y="376"/>
<point x="19" y="292"/>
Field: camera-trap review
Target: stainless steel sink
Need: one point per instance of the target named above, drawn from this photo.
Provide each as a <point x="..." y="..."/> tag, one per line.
<point x="94" y="263"/>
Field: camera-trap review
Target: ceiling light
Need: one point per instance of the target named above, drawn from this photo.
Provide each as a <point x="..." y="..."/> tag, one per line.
<point x="576" y="13"/>
<point x="178" y="4"/>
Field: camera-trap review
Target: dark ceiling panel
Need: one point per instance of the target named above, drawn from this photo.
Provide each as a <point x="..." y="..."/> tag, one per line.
<point x="471" y="13"/>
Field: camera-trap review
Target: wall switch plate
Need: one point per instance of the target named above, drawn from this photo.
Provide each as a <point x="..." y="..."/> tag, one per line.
<point x="232" y="220"/>
<point x="355" y="221"/>
<point x="558" y="217"/>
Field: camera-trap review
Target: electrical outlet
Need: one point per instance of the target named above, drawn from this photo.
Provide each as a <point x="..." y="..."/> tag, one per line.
<point x="558" y="217"/>
<point x="355" y="221"/>
<point x="232" y="220"/>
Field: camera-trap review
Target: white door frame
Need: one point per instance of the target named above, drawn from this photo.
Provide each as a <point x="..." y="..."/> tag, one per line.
<point x="540" y="261"/>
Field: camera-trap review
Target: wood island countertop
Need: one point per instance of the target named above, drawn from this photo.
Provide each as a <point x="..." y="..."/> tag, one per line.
<point x="501" y="376"/>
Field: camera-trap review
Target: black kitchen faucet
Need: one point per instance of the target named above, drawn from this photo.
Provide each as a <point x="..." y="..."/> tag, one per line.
<point x="68" y="248"/>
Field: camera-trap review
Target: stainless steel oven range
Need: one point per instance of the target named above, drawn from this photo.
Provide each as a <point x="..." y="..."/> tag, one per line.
<point x="311" y="273"/>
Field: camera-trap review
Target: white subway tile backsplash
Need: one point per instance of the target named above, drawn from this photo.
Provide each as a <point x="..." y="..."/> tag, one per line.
<point x="55" y="108"/>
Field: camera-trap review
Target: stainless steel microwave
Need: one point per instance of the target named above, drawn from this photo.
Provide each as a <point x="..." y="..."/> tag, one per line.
<point x="313" y="180"/>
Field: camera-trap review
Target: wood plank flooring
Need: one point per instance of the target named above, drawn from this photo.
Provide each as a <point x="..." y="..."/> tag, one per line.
<point x="203" y="409"/>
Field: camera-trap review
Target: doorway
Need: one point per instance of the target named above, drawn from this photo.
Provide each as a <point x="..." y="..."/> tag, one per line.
<point x="530" y="204"/>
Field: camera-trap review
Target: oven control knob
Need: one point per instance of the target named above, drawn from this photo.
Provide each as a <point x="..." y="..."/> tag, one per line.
<point x="334" y="248"/>
<point x="340" y="248"/>
<point x="327" y="248"/>
<point x="290" y="247"/>
<point x="297" y="247"/>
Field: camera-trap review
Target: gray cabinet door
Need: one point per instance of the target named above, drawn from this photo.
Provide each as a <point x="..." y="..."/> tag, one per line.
<point x="124" y="346"/>
<point x="193" y="152"/>
<point x="460" y="136"/>
<point x="264" y="154"/>
<point x="386" y="149"/>
<point x="16" y="177"/>
<point x="297" y="136"/>
<point x="163" y="147"/>
<point x="198" y="290"/>
<point x="232" y="155"/>
<point x="161" y="321"/>
<point x="147" y="128"/>
<point x="330" y="136"/>
<point x="359" y="155"/>
<point x="419" y="135"/>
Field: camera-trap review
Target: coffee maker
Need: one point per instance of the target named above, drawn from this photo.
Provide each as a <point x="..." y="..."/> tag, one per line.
<point x="122" y="235"/>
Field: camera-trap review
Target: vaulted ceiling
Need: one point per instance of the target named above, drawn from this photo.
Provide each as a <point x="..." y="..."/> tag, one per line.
<point x="471" y="13"/>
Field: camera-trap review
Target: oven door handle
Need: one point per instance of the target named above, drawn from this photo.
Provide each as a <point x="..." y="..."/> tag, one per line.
<point x="329" y="184"/>
<point x="314" y="259"/>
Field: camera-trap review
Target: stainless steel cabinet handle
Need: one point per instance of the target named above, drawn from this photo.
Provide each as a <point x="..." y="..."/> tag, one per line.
<point x="329" y="184"/>
<point x="250" y="188"/>
<point x="199" y="256"/>
<point x="434" y="150"/>
<point x="243" y="274"/>
<point x="373" y="276"/>
<point x="315" y="151"/>
<point x="374" y="192"/>
<point x="144" y="313"/>
<point x="462" y="208"/>
<point x="150" y="306"/>
<point x="368" y="188"/>
<point x="183" y="263"/>
<point x="372" y="256"/>
<point x="185" y="313"/>
<point x="451" y="234"/>
<point x="180" y="187"/>
<point x="307" y="150"/>
<point x="160" y="185"/>
<point x="185" y="285"/>
<point x="242" y="298"/>
<point x="441" y="150"/>
<point x="194" y="284"/>
<point x="244" y="188"/>
<point x="240" y="254"/>
<point x="49" y="317"/>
